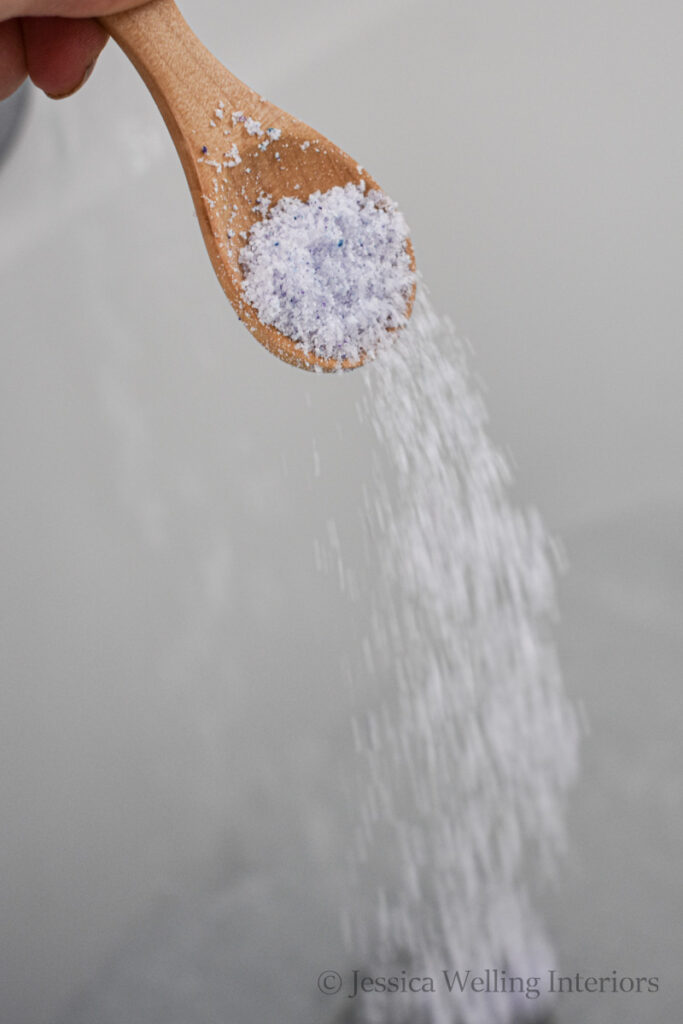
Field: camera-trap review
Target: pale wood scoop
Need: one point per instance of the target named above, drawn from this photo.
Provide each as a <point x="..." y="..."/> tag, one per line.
<point x="234" y="147"/>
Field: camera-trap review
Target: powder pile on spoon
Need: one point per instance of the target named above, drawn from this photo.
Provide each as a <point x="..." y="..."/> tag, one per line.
<point x="333" y="273"/>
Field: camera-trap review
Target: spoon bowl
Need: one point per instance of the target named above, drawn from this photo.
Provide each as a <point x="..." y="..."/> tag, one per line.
<point x="239" y="153"/>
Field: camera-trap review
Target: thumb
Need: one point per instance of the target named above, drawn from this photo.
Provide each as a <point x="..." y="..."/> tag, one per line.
<point x="64" y="8"/>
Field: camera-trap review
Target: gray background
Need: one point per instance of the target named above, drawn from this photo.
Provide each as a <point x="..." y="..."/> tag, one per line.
<point x="174" y="716"/>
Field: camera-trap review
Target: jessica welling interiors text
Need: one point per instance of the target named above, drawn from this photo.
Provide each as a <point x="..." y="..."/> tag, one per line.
<point x="491" y="980"/>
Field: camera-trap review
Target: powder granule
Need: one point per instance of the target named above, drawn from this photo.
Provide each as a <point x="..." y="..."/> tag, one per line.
<point x="333" y="274"/>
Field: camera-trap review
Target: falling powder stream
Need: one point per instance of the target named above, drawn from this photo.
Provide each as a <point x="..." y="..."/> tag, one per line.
<point x="467" y="756"/>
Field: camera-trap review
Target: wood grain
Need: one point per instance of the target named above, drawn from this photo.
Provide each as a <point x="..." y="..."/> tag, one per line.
<point x="197" y="97"/>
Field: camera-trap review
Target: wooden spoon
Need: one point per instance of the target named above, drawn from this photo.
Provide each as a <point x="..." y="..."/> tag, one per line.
<point x="234" y="147"/>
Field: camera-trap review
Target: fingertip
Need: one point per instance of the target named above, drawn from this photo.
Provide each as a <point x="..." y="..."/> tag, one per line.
<point x="61" y="52"/>
<point x="12" y="57"/>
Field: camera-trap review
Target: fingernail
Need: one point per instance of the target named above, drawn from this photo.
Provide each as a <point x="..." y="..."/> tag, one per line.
<point x="63" y="95"/>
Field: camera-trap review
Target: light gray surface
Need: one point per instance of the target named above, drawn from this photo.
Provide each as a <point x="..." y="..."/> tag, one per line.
<point x="174" y="711"/>
<point x="13" y="113"/>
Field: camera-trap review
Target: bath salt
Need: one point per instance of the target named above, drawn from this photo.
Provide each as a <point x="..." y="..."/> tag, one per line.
<point x="470" y="747"/>
<point x="333" y="273"/>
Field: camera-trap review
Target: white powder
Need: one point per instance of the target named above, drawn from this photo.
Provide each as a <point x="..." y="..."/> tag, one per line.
<point x="467" y="755"/>
<point x="232" y="157"/>
<point x="253" y="127"/>
<point x="333" y="273"/>
<point x="262" y="203"/>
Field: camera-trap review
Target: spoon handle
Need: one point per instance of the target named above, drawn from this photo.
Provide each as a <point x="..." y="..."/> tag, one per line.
<point x="184" y="78"/>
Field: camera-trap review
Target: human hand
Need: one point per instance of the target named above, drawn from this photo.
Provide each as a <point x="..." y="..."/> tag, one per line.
<point x="54" y="42"/>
